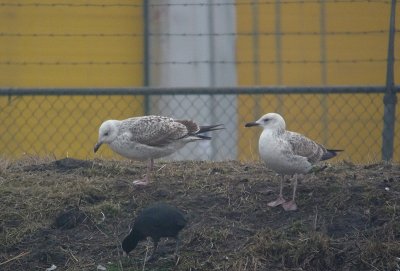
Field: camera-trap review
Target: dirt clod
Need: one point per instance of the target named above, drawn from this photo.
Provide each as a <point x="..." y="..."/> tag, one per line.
<point x="69" y="218"/>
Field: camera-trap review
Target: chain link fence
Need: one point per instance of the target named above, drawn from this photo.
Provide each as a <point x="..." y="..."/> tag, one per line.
<point x="64" y="122"/>
<point x="64" y="68"/>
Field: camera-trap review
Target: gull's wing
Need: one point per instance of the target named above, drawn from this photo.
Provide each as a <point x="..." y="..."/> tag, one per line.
<point x="154" y="131"/>
<point x="305" y="147"/>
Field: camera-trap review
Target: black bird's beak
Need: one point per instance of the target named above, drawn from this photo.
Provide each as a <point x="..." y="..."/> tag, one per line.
<point x="251" y="124"/>
<point x="97" y="146"/>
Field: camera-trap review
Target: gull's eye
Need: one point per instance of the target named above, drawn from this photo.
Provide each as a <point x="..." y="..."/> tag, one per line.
<point x="106" y="134"/>
<point x="265" y="120"/>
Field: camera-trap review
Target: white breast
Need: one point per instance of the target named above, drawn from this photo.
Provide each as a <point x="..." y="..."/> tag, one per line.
<point x="276" y="153"/>
<point x="136" y="151"/>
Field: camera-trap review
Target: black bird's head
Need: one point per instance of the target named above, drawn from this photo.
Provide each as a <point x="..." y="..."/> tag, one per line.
<point x="130" y="242"/>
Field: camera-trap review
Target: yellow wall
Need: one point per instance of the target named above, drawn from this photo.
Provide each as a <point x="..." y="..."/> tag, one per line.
<point x="354" y="121"/>
<point x="72" y="45"/>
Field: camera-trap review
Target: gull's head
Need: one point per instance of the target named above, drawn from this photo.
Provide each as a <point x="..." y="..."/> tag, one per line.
<point x="271" y="121"/>
<point x="108" y="131"/>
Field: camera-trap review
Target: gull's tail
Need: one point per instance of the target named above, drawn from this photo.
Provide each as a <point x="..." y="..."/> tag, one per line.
<point x="204" y="129"/>
<point x="330" y="154"/>
<point x="208" y="128"/>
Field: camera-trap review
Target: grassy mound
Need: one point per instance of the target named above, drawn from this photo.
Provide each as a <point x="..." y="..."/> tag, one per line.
<point x="74" y="213"/>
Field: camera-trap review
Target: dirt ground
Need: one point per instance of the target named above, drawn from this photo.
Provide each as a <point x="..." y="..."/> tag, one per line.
<point x="73" y="214"/>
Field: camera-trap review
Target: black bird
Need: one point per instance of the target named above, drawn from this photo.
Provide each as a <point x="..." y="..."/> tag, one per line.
<point x="156" y="221"/>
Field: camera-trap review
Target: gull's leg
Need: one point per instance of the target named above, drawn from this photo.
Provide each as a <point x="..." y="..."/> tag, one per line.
<point x="280" y="200"/>
<point x="146" y="179"/>
<point x="291" y="205"/>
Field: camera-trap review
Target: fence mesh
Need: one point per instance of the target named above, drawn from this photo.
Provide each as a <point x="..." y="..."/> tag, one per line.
<point x="67" y="125"/>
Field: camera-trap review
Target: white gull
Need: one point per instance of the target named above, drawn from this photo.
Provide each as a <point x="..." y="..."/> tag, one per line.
<point x="150" y="137"/>
<point x="287" y="153"/>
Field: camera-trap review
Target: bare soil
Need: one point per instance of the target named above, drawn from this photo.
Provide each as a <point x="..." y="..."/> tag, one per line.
<point x="74" y="214"/>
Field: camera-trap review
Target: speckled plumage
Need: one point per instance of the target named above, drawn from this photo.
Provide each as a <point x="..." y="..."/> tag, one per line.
<point x="142" y="138"/>
<point x="287" y="153"/>
<point x="150" y="137"/>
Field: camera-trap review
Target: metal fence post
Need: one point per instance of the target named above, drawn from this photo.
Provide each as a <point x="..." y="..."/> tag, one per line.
<point x="390" y="98"/>
<point x="146" y="54"/>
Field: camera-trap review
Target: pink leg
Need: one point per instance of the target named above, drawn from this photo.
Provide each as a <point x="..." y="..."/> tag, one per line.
<point x="280" y="200"/>
<point x="146" y="179"/>
<point x="291" y="205"/>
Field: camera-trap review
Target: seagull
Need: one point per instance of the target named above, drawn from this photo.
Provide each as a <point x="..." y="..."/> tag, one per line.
<point x="287" y="153"/>
<point x="150" y="137"/>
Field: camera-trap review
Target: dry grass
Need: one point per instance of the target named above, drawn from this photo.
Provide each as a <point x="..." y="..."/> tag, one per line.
<point x="348" y="217"/>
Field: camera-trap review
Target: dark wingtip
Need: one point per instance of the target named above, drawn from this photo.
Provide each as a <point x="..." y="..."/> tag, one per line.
<point x="334" y="151"/>
<point x="204" y="137"/>
<point x="330" y="154"/>
<point x="208" y="128"/>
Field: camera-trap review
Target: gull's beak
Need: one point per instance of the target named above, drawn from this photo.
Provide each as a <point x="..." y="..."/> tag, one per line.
<point x="97" y="146"/>
<point x="251" y="124"/>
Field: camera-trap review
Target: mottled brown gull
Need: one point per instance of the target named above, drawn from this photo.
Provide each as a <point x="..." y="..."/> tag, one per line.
<point x="150" y="137"/>
<point x="287" y="153"/>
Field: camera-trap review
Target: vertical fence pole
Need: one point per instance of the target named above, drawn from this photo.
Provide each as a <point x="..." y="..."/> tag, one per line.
<point x="278" y="52"/>
<point x="324" y="81"/>
<point x="256" y="55"/>
<point x="390" y="98"/>
<point x="211" y="44"/>
<point x="146" y="54"/>
<point x="256" y="42"/>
